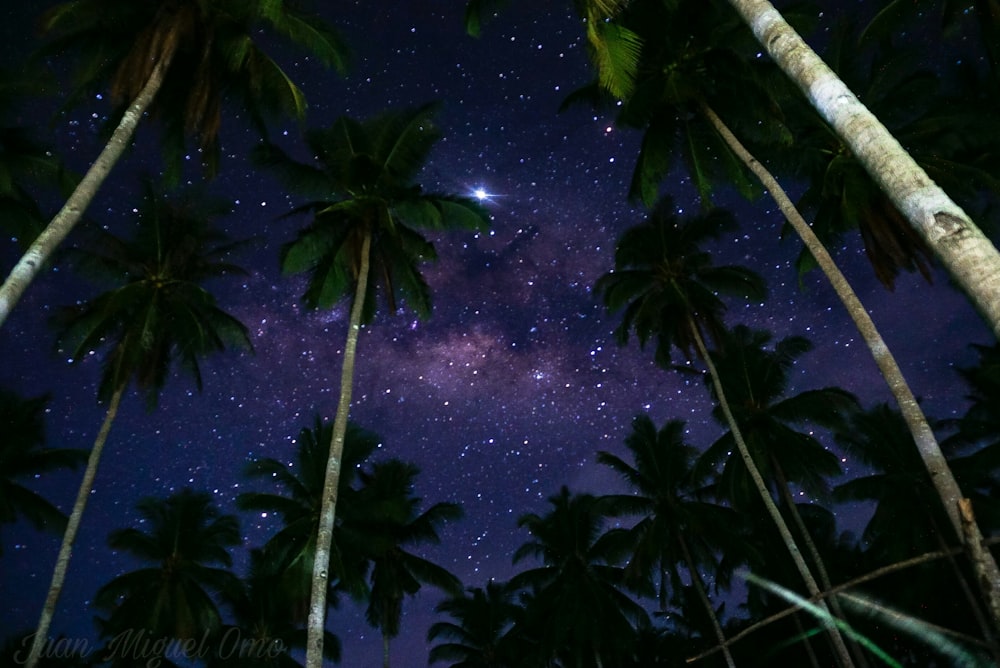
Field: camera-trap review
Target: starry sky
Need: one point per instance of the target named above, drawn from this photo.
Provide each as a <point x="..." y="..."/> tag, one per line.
<point x="512" y="385"/>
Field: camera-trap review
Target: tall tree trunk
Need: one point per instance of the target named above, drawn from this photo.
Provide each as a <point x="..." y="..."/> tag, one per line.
<point x="843" y="655"/>
<point x="989" y="634"/>
<point x="968" y="255"/>
<point x="42" y="248"/>
<point x="72" y="526"/>
<point x="930" y="452"/>
<point x="817" y="558"/>
<point x="703" y="595"/>
<point x="385" y="650"/>
<point x="331" y="483"/>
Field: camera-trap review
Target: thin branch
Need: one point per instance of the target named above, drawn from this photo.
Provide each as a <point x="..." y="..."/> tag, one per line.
<point x="877" y="573"/>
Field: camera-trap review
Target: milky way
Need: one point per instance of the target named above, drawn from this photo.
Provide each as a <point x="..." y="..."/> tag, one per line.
<point x="512" y="385"/>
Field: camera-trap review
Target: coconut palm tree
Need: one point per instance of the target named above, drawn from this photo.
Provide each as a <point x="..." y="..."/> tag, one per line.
<point x="177" y="60"/>
<point x="899" y="483"/>
<point x="263" y="633"/>
<point x="677" y="526"/>
<point x="185" y="541"/>
<point x="694" y="56"/>
<point x="667" y="287"/>
<point x="23" y="456"/>
<point x="968" y="255"/>
<point x="577" y="610"/>
<point x="366" y="220"/>
<point x="778" y="430"/>
<point x="292" y="549"/>
<point x="942" y="126"/>
<point x="389" y="522"/>
<point x="756" y="380"/>
<point x="156" y="314"/>
<point x="479" y="635"/>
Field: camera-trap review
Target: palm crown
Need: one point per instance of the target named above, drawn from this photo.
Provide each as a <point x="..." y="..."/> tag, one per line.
<point x="212" y="50"/>
<point x="756" y="378"/>
<point x="188" y="539"/>
<point x="290" y="552"/>
<point x="577" y="579"/>
<point x="158" y="311"/>
<point x="365" y="185"/>
<point x="666" y="284"/>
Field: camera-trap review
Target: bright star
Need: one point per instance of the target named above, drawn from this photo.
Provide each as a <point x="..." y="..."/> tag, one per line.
<point x="480" y="194"/>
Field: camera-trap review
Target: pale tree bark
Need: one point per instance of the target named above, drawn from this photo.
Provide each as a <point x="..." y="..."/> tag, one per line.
<point x="72" y="526"/>
<point x="970" y="258"/>
<point x="42" y="248"/>
<point x="930" y="451"/>
<point x="331" y="484"/>
<point x="843" y="656"/>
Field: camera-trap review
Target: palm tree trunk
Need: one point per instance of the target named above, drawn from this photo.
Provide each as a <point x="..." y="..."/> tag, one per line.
<point x="72" y="526"/>
<point x="851" y="584"/>
<point x="824" y="577"/>
<point x="939" y="537"/>
<point x="927" y="445"/>
<point x="42" y="248"/>
<point x="786" y="535"/>
<point x="328" y="509"/>
<point x="385" y="650"/>
<point x="970" y="258"/>
<point x="703" y="595"/>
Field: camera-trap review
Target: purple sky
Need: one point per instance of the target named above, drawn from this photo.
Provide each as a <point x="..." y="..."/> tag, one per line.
<point x="514" y="383"/>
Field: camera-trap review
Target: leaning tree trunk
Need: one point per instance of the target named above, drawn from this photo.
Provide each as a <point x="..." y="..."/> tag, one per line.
<point x="328" y="509"/>
<point x="72" y="526"/>
<point x="824" y="577"/>
<point x="842" y="653"/>
<point x="930" y="452"/>
<point x="703" y="595"/>
<point x="42" y="248"/>
<point x="989" y="634"/>
<point x="968" y="255"/>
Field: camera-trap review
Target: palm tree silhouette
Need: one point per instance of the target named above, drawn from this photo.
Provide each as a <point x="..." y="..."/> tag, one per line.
<point x="185" y="542"/>
<point x="667" y="287"/>
<point x="367" y="220"/>
<point x="577" y="611"/>
<point x="290" y="551"/>
<point x="262" y="633"/>
<point x="677" y="525"/>
<point x="388" y="523"/>
<point x="695" y="56"/>
<point x="156" y="314"/>
<point x="176" y="59"/>
<point x="899" y="483"/>
<point x="23" y="456"/>
<point x="26" y="164"/>
<point x="778" y="430"/>
<point x="480" y="633"/>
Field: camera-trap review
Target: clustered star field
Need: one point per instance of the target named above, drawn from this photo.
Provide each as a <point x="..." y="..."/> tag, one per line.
<point x="511" y="386"/>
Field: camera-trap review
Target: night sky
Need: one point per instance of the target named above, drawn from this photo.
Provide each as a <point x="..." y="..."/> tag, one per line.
<point x="511" y="386"/>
